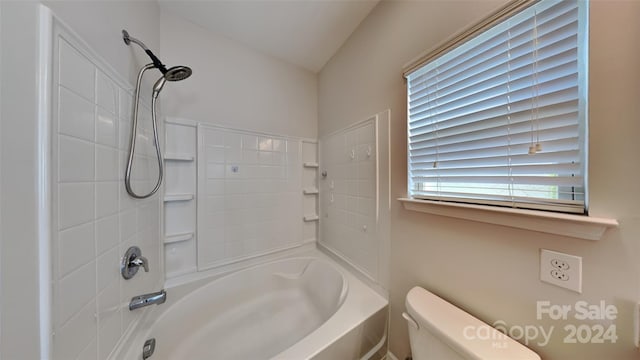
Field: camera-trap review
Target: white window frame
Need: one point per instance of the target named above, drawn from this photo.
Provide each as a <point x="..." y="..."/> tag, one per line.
<point x="502" y="14"/>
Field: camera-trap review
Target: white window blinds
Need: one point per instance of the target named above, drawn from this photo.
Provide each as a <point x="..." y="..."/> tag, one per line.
<point x="501" y="118"/>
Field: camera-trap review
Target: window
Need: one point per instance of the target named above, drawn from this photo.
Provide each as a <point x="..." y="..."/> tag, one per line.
<point x="499" y="117"/>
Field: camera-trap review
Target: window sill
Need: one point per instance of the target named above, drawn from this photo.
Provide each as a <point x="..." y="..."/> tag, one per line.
<point x="577" y="226"/>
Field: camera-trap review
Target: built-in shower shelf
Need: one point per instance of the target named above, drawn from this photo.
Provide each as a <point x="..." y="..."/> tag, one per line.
<point x="310" y="191"/>
<point x="310" y="165"/>
<point x="174" y="238"/>
<point x="309" y="218"/>
<point x="178" y="197"/>
<point x="178" y="157"/>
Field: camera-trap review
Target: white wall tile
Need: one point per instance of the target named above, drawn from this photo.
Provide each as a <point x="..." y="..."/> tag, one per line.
<point x="76" y="159"/>
<point x="279" y="145"/>
<point x="107" y="164"/>
<point x="76" y="202"/>
<point x="215" y="154"/>
<point x="89" y="352"/>
<point x="128" y="224"/>
<point x="124" y="138"/>
<point x="77" y="334"/>
<point x="108" y="267"/>
<point x="213" y="137"/>
<point x="249" y="142"/>
<point x="106" y="198"/>
<point x="75" y="291"/>
<point x="108" y="335"/>
<point x="107" y="129"/>
<point x="264" y="144"/>
<point x="107" y="233"/>
<point x="76" y="71"/>
<point x="107" y="93"/>
<point x="215" y="171"/>
<point x="248" y="157"/>
<point x="125" y="106"/>
<point x="76" y="248"/>
<point x="76" y="115"/>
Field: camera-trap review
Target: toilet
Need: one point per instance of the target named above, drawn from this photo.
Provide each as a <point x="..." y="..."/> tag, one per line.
<point x="440" y="331"/>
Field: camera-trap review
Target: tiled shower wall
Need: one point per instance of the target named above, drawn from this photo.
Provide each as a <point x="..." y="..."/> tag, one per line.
<point x="249" y="195"/>
<point x="349" y="191"/>
<point x="94" y="221"/>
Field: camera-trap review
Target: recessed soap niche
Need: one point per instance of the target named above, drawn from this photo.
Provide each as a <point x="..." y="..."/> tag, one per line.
<point x="233" y="195"/>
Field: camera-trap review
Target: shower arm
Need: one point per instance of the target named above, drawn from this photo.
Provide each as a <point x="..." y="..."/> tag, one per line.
<point x="156" y="62"/>
<point x="132" y="139"/>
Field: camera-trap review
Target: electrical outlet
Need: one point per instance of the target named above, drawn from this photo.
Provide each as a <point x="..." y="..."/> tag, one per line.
<point x="560" y="264"/>
<point x="561" y="270"/>
<point x="559" y="275"/>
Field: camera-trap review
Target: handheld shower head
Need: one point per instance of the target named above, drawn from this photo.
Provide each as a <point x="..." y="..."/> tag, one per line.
<point x="178" y="73"/>
<point x="175" y="73"/>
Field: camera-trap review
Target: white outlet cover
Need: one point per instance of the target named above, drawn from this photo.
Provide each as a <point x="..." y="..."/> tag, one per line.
<point x="571" y="268"/>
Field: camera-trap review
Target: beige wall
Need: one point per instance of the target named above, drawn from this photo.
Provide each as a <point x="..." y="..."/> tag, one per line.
<point x="234" y="85"/>
<point x="489" y="270"/>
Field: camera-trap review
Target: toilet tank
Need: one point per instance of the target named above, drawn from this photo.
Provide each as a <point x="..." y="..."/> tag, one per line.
<point x="440" y="331"/>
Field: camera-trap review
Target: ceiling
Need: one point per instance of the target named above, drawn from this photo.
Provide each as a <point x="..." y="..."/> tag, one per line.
<point x="303" y="32"/>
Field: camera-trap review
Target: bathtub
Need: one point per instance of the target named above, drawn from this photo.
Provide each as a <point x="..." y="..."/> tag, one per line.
<point x="303" y="307"/>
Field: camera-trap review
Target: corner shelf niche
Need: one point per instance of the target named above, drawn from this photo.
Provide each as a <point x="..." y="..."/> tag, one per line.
<point x="310" y="190"/>
<point x="180" y="197"/>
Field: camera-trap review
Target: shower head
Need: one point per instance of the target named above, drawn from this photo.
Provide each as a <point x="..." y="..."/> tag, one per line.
<point x="175" y="73"/>
<point x="178" y="73"/>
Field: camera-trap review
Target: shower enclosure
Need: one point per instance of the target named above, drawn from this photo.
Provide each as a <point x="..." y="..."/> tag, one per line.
<point x="87" y="218"/>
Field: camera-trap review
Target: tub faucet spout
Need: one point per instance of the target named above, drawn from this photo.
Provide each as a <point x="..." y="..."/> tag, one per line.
<point x="148" y="299"/>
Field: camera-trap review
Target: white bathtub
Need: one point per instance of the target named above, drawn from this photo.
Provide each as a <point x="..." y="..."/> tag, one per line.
<point x="292" y="309"/>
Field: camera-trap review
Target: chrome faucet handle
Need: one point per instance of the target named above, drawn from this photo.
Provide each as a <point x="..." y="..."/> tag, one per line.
<point x="131" y="262"/>
<point x="140" y="261"/>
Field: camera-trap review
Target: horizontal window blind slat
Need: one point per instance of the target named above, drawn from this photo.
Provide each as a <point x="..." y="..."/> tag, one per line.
<point x="565" y="132"/>
<point x="574" y="181"/>
<point x="566" y="156"/>
<point x="499" y="83"/>
<point x="543" y="169"/>
<point x="547" y="87"/>
<point x="510" y="134"/>
<point x="513" y="113"/>
<point x="515" y="37"/>
<point x="427" y="156"/>
<point x="502" y="108"/>
<point x="512" y="124"/>
<point x="502" y="74"/>
<point x="514" y="57"/>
